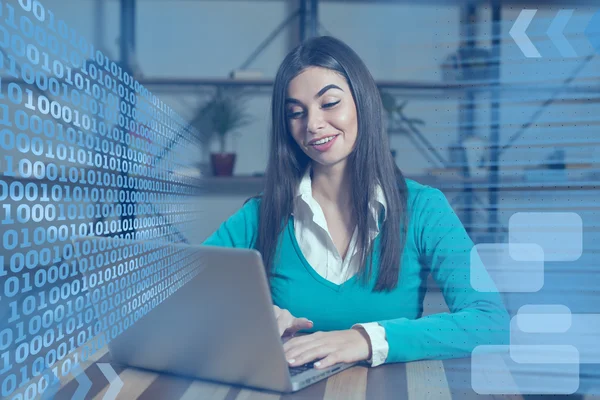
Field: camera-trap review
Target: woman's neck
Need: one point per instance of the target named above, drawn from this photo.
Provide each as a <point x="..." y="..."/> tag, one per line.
<point x="332" y="184"/>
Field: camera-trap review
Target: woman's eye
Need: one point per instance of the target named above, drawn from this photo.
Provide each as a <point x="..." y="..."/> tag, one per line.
<point x="299" y="113"/>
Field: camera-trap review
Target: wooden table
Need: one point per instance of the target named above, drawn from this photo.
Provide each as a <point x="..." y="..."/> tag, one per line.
<point x="430" y="379"/>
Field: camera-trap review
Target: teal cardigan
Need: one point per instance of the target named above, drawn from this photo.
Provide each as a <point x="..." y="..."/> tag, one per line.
<point x="436" y="243"/>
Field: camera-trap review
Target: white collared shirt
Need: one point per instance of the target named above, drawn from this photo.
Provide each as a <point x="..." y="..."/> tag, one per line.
<point x="316" y="244"/>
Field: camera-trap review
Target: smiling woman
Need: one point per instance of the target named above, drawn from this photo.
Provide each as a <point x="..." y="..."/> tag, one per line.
<point x="346" y="239"/>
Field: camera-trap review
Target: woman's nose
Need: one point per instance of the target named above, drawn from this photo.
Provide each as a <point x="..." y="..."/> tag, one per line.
<point x="316" y="122"/>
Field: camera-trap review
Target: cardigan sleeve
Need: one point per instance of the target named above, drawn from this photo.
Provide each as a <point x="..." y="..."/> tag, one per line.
<point x="239" y="230"/>
<point x="475" y="318"/>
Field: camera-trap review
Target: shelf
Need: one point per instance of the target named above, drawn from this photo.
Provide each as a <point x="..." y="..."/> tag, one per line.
<point x="388" y="84"/>
<point x="416" y="89"/>
<point x="166" y="84"/>
<point x="234" y="185"/>
<point x="251" y="185"/>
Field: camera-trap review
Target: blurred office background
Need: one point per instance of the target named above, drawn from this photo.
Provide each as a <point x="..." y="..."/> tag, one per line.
<point x="500" y="127"/>
<point x="475" y="114"/>
<point x="443" y="58"/>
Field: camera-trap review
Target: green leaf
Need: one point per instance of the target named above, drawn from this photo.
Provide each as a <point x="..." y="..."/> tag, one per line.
<point x="222" y="114"/>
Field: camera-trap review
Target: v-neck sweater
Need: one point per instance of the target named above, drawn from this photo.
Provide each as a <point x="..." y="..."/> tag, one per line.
<point x="436" y="244"/>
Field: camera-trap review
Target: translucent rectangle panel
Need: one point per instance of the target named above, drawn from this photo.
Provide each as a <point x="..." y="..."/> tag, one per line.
<point x="508" y="274"/>
<point x="494" y="372"/>
<point x="559" y="234"/>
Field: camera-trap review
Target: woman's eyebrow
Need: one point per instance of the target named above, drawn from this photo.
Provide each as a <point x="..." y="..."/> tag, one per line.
<point x="319" y="94"/>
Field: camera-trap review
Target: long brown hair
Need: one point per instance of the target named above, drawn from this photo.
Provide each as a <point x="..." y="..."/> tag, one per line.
<point x="370" y="162"/>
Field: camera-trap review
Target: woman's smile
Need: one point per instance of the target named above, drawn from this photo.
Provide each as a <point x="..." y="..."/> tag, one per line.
<point x="324" y="144"/>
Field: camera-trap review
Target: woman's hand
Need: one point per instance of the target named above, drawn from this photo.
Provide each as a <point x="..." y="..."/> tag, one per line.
<point x="288" y="324"/>
<point x="333" y="347"/>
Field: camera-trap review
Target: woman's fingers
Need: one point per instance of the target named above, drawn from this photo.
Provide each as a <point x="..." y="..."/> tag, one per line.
<point x="288" y="324"/>
<point x="299" y="324"/>
<point x="328" y="347"/>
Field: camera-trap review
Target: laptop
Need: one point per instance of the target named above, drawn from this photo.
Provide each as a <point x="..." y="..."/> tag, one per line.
<point x="206" y="313"/>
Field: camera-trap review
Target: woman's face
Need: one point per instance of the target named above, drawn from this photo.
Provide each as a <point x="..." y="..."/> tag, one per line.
<point x="319" y="105"/>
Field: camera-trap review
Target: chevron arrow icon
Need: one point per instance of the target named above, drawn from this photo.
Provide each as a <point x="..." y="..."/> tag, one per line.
<point x="115" y="383"/>
<point x="555" y="32"/>
<point x="517" y="32"/>
<point x="84" y="383"/>
<point x="592" y="32"/>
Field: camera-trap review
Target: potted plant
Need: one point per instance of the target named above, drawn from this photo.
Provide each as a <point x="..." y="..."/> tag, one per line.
<point x="217" y="119"/>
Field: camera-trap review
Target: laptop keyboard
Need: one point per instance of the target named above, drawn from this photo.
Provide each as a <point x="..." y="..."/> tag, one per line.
<point x="301" y="368"/>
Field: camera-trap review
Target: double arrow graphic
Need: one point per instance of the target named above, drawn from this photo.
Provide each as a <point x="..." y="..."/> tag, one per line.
<point x="554" y="32"/>
<point x="84" y="383"/>
<point x="115" y="383"/>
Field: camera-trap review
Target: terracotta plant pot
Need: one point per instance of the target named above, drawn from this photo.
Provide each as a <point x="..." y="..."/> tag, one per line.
<point x="222" y="163"/>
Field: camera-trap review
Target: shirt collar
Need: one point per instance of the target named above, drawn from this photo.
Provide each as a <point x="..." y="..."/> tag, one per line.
<point x="378" y="204"/>
<point x="305" y="187"/>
